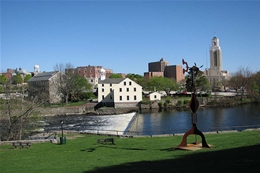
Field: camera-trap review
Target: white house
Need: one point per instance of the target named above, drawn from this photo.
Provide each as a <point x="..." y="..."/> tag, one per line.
<point x="119" y="92"/>
<point x="155" y="96"/>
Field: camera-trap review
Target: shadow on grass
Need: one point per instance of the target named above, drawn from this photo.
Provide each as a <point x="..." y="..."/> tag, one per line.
<point x="244" y="159"/>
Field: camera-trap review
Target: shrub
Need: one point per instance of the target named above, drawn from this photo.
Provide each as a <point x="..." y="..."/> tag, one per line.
<point x="186" y="102"/>
<point x="168" y="100"/>
<point x="165" y="104"/>
<point x="179" y="103"/>
<point x="146" y="101"/>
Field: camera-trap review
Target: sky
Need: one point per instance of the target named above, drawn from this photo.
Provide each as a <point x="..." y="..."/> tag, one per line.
<point x="125" y="36"/>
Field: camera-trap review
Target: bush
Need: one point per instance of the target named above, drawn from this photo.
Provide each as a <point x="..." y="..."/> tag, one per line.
<point x="160" y="104"/>
<point x="186" y="102"/>
<point x="146" y="101"/>
<point x="168" y="100"/>
<point x="179" y="103"/>
<point x="165" y="104"/>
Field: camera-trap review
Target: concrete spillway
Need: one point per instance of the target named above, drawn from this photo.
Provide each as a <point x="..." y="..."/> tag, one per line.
<point x="103" y="124"/>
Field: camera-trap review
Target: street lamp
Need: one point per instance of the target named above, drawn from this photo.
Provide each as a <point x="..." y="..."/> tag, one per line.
<point x="61" y="123"/>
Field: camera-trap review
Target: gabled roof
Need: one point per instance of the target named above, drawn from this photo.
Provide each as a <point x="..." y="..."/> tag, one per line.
<point x="43" y="76"/>
<point x="111" y="80"/>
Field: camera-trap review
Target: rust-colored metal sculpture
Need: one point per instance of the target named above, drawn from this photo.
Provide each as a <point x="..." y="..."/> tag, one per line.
<point x="194" y="105"/>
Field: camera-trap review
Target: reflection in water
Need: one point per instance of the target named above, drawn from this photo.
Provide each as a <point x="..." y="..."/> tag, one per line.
<point x="209" y="119"/>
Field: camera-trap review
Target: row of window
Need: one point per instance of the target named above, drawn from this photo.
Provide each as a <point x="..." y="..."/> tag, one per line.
<point x="120" y="90"/>
<point x="130" y="83"/>
<point x="120" y="97"/>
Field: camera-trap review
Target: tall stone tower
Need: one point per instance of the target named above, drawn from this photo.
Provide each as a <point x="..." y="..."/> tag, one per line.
<point x="102" y="74"/>
<point x="215" y="74"/>
<point x="215" y="55"/>
<point x="36" y="69"/>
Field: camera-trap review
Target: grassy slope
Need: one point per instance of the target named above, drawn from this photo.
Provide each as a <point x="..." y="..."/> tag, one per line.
<point x="232" y="152"/>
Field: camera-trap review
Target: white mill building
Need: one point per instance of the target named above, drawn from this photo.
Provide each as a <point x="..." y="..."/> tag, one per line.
<point x="118" y="92"/>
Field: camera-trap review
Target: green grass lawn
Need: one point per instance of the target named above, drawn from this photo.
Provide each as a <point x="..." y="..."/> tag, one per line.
<point x="231" y="152"/>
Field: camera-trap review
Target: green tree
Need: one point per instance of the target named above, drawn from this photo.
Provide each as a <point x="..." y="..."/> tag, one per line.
<point x="81" y="86"/>
<point x="138" y="79"/>
<point x="254" y="86"/>
<point x="162" y="84"/>
<point x="3" y="79"/>
<point x="201" y="82"/>
<point x="27" y="77"/>
<point x="114" y="75"/>
<point x="70" y="83"/>
<point x="17" y="79"/>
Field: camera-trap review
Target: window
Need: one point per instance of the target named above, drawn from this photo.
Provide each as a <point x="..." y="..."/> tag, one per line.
<point x="111" y="89"/>
<point x="215" y="58"/>
<point x="120" y="89"/>
<point x="130" y="83"/>
<point x="103" y="97"/>
<point x="127" y="89"/>
<point x="120" y="97"/>
<point x="127" y="97"/>
<point x="102" y="85"/>
<point x="155" y="96"/>
<point x="125" y="83"/>
<point x="102" y="89"/>
<point x="135" y="97"/>
<point x="111" y="84"/>
<point x="134" y="89"/>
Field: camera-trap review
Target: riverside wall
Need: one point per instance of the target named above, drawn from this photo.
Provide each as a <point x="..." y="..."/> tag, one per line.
<point x="85" y="110"/>
<point x="89" y="109"/>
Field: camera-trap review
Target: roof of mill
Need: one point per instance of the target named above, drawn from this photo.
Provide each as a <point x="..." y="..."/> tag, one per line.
<point x="111" y="80"/>
<point x="43" y="76"/>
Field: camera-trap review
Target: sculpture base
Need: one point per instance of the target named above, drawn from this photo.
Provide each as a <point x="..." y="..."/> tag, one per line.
<point x="191" y="147"/>
<point x="193" y="130"/>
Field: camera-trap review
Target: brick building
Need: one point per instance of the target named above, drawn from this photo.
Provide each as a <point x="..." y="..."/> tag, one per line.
<point x="162" y="68"/>
<point x="92" y="73"/>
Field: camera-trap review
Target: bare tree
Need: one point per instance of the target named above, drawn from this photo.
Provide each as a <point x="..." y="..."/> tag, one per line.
<point x="241" y="80"/>
<point x="64" y="83"/>
<point x="70" y="82"/>
<point x="16" y="113"/>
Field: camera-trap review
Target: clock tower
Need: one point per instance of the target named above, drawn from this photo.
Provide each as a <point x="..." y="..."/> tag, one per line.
<point x="215" y="55"/>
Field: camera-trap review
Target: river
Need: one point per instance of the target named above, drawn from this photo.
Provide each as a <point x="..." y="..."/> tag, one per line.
<point x="165" y="122"/>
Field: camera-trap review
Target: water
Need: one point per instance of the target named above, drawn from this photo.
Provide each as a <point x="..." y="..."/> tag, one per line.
<point x="166" y="122"/>
<point x="209" y="119"/>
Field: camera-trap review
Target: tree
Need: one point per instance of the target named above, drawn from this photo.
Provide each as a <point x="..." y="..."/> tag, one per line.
<point x="3" y="79"/>
<point x="81" y="86"/>
<point x="63" y="84"/>
<point x="17" y="79"/>
<point x="254" y="86"/>
<point x="114" y="75"/>
<point x="162" y="84"/>
<point x="241" y="80"/>
<point x="138" y="79"/>
<point x="201" y="82"/>
<point x="70" y="83"/>
<point x="16" y="114"/>
<point x="27" y="77"/>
